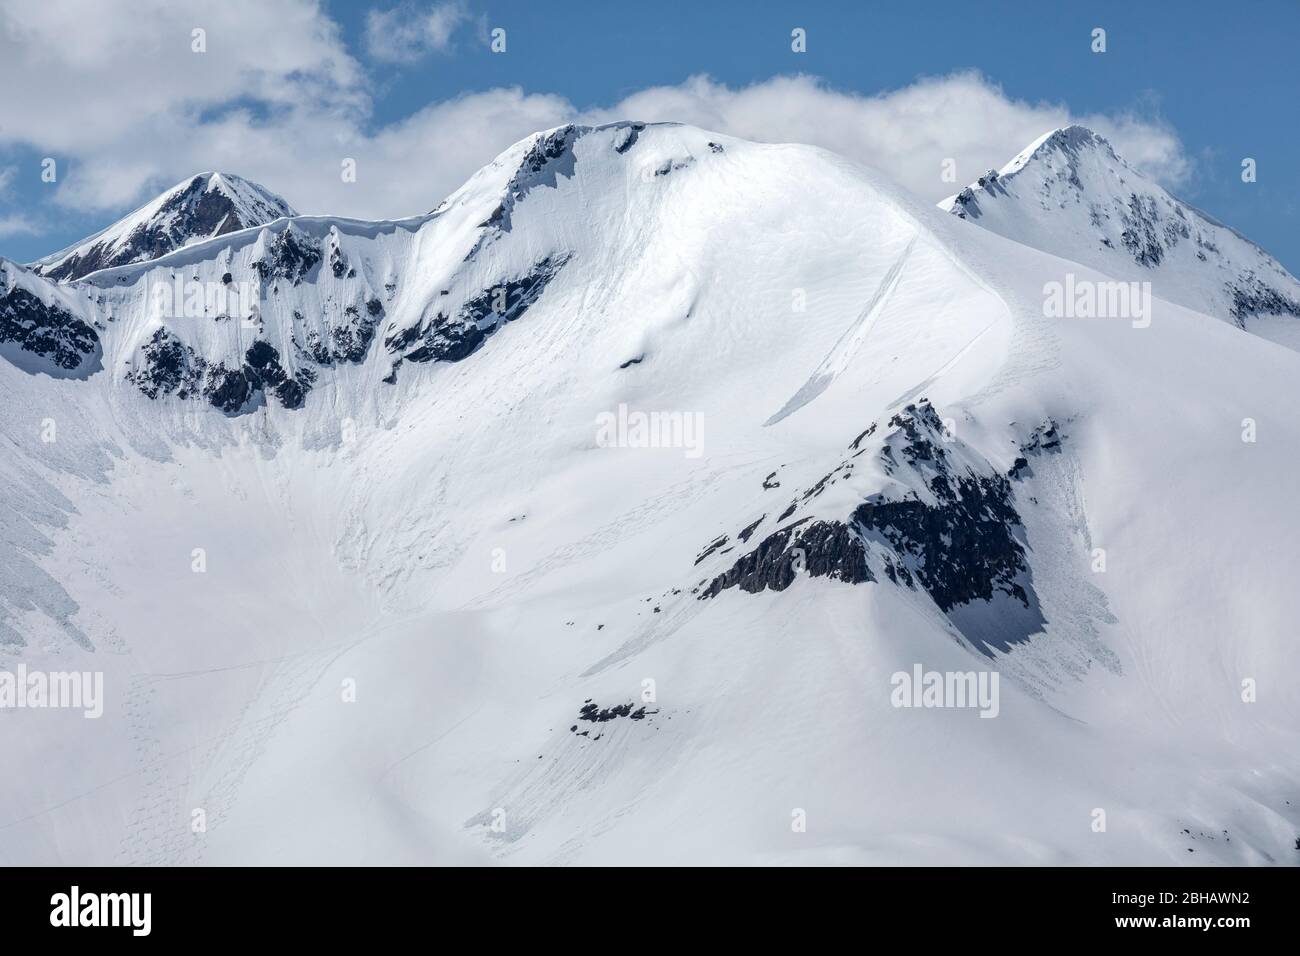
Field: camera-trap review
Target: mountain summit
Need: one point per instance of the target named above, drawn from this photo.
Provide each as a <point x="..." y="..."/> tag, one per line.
<point x="1069" y="193"/>
<point x="200" y="207"/>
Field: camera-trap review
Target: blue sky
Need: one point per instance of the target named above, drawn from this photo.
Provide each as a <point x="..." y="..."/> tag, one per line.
<point x="1186" y="90"/>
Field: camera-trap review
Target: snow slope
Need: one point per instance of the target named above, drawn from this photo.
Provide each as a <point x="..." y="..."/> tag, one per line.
<point x="1069" y="194"/>
<point x="410" y="610"/>
<point x="203" y="206"/>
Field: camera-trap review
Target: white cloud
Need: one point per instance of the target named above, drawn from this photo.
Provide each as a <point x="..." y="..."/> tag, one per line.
<point x="116" y="94"/>
<point x="905" y="133"/>
<point x="408" y="32"/>
<point x="97" y="74"/>
<point x="15" y="226"/>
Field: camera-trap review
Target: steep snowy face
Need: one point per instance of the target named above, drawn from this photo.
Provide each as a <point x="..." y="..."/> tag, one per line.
<point x="1070" y="194"/>
<point x="203" y="206"/>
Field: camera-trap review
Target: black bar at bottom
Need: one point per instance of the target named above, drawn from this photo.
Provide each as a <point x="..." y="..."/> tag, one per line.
<point x="335" y="906"/>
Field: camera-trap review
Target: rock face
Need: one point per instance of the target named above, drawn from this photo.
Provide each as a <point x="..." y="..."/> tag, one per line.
<point x="289" y="255"/>
<point x="959" y="546"/>
<point x="1070" y="194"/>
<point x="348" y="341"/>
<point x="170" y="367"/>
<point x="820" y="548"/>
<point x="959" y="550"/>
<point x="42" y="327"/>
<point x="954" y="533"/>
<point x="201" y="207"/>
<point x="451" y="340"/>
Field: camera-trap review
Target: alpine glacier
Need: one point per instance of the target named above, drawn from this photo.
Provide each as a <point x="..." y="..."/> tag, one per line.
<point x="593" y="517"/>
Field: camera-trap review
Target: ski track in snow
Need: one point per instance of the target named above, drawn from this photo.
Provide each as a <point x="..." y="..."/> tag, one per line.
<point x="849" y="344"/>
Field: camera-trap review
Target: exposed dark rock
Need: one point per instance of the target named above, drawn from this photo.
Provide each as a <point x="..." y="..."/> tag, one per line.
<point x="169" y="366"/>
<point x="593" y="713"/>
<point x="452" y="340"/>
<point x="550" y="157"/>
<point x="290" y="255"/>
<point x="338" y="265"/>
<point x="626" y="137"/>
<point x="821" y="548"/>
<point x="956" y="535"/>
<point x="672" y="166"/>
<point x="714" y="546"/>
<point x="43" y="329"/>
<point x="1251" y="296"/>
<point x="229" y="389"/>
<point x="857" y="442"/>
<point x="748" y="531"/>
<point x="1141" y="235"/>
<point x="1046" y="438"/>
<point x="960" y="550"/>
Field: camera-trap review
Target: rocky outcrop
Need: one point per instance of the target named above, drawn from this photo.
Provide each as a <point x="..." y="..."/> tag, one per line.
<point x="289" y="255"/>
<point x="828" y="549"/>
<point x="593" y="714"/>
<point x="954" y="531"/>
<point x="44" y="329"/>
<point x="169" y="367"/>
<point x="448" y="339"/>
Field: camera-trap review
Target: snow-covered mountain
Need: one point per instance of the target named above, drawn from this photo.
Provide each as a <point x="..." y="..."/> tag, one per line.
<point x="594" y="516"/>
<point x="1069" y="194"/>
<point x="198" y="208"/>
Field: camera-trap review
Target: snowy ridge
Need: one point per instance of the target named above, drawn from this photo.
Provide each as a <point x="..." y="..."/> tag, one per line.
<point x="197" y="208"/>
<point x="1070" y="194"/>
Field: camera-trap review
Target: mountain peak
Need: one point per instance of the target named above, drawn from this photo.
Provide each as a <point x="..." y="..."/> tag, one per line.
<point x="198" y="207"/>
<point x="1070" y="194"/>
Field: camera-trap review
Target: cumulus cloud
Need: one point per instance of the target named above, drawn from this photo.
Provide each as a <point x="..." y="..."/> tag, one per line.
<point x="906" y="133"/>
<point x="128" y="109"/>
<point x="408" y="32"/>
<point x="96" y="73"/>
<point x="16" y="226"/>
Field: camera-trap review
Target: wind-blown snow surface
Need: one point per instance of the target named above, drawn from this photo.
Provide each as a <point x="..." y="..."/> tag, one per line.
<point x="457" y="545"/>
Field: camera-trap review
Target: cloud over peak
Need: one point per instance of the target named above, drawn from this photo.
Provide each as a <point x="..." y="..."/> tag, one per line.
<point x="278" y="97"/>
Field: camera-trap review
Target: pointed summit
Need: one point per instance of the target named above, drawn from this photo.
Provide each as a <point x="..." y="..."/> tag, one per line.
<point x="1070" y="194"/>
<point x="203" y="206"/>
